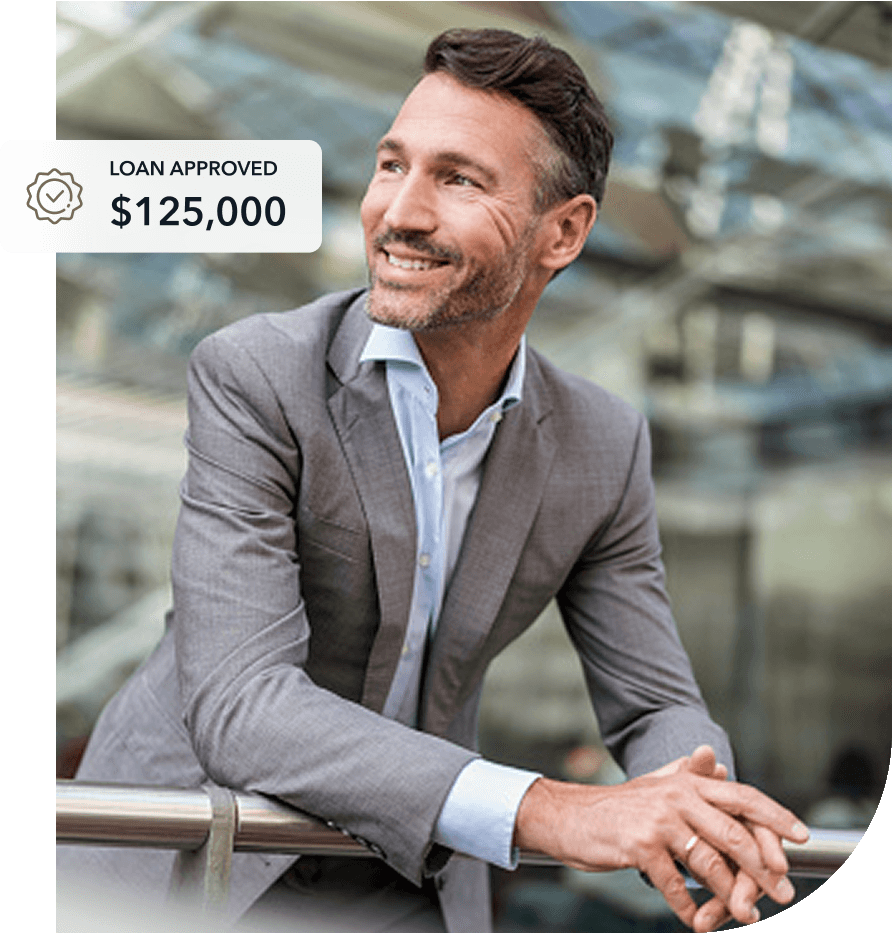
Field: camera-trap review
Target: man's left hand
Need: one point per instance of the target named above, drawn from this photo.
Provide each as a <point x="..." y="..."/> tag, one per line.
<point x="737" y="893"/>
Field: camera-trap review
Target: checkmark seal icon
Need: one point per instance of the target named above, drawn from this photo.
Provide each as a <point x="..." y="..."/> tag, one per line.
<point x="54" y="195"/>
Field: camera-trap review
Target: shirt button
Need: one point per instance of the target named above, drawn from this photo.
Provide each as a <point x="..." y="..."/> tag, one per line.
<point x="495" y="417"/>
<point x="424" y="560"/>
<point x="430" y="469"/>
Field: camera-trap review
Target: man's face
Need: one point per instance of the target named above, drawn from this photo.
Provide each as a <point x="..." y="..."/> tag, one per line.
<point x="450" y="227"/>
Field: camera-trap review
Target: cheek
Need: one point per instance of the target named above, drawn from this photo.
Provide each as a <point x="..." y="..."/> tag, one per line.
<point x="370" y="218"/>
<point x="504" y="226"/>
<point x="372" y="209"/>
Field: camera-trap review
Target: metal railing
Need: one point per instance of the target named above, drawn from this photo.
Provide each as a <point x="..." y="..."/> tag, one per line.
<point x="207" y="824"/>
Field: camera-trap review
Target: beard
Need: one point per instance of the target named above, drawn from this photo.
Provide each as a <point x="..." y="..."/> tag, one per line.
<point x="486" y="294"/>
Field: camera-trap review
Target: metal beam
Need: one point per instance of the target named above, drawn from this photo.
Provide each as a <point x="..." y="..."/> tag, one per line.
<point x="174" y="818"/>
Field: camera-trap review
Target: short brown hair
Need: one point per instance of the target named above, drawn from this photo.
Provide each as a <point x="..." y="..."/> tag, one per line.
<point x="546" y="80"/>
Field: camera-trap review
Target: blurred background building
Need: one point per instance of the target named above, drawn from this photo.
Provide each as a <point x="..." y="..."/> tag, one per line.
<point x="737" y="289"/>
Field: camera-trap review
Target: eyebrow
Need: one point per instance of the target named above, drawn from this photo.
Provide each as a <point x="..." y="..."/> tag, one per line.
<point x="446" y="157"/>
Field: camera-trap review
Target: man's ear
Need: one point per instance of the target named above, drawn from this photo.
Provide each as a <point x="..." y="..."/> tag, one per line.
<point x="565" y="228"/>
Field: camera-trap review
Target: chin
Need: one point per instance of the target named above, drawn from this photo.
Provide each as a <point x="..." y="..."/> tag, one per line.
<point x="389" y="313"/>
<point x="396" y="307"/>
<point x="422" y="313"/>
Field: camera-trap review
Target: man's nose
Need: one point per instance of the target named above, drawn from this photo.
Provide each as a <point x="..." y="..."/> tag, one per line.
<point x="412" y="205"/>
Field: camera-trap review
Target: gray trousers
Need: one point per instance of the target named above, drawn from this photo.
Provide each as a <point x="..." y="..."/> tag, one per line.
<point x="344" y="895"/>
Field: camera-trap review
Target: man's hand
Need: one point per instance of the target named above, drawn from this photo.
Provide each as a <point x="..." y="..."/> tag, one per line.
<point x="677" y="813"/>
<point x="736" y="900"/>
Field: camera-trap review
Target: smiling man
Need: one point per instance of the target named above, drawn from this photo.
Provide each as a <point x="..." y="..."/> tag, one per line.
<point x="384" y="489"/>
<point x="449" y="215"/>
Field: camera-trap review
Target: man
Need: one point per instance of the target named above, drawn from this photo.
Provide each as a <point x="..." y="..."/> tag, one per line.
<point x="384" y="489"/>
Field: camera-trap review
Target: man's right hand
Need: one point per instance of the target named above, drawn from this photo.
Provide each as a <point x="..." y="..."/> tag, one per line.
<point x="650" y="822"/>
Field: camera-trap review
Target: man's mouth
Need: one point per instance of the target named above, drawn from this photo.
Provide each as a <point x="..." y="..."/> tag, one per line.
<point x="413" y="252"/>
<point x="415" y="264"/>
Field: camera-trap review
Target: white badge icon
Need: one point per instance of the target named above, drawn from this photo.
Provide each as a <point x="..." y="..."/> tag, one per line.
<point x="54" y="195"/>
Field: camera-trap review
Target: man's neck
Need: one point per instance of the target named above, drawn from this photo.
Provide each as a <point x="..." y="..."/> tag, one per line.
<point x="469" y="369"/>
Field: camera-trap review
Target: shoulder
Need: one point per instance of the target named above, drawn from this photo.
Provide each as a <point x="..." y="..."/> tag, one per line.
<point x="271" y="370"/>
<point x="585" y="414"/>
<point x="278" y="361"/>
<point x="303" y="332"/>
<point x="287" y="353"/>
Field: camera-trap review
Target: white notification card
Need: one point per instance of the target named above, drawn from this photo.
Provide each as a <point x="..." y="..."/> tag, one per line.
<point x="162" y="196"/>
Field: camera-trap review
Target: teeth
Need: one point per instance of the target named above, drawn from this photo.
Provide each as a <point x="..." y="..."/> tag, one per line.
<point x="409" y="263"/>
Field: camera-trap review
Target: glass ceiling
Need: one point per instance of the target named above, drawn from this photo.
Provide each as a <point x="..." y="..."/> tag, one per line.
<point x="757" y="112"/>
<point x="737" y="134"/>
<point x="739" y="113"/>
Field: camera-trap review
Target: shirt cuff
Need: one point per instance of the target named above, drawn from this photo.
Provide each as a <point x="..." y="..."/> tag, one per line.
<point x="478" y="816"/>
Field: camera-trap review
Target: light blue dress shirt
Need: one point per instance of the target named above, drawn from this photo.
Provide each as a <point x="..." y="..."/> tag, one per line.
<point x="478" y="816"/>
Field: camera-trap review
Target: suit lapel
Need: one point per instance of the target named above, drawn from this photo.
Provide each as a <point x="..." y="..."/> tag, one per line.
<point x="360" y="410"/>
<point x="514" y="478"/>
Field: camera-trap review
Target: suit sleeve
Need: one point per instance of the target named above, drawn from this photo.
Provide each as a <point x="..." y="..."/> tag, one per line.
<point x="255" y="718"/>
<point x="617" y="613"/>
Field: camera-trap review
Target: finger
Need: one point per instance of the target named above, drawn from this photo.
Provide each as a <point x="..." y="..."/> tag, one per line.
<point x="671" y="884"/>
<point x="740" y="798"/>
<point x="713" y="872"/>
<point x="743" y="898"/>
<point x="775" y="860"/>
<point x="742" y="907"/>
<point x="710" y="916"/>
<point x="773" y="854"/>
<point x="672" y="767"/>
<point x="732" y="838"/>
<point x="747" y="890"/>
<point x="703" y="761"/>
<point x="708" y="867"/>
<point x="743" y="850"/>
<point x="744" y="801"/>
<point x="727" y="835"/>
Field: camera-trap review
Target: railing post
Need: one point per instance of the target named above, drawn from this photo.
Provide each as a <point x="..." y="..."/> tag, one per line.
<point x="200" y="877"/>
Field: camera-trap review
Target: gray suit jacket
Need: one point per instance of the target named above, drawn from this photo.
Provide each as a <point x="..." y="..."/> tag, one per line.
<point x="292" y="575"/>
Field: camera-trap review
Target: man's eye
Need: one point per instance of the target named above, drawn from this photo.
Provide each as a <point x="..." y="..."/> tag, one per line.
<point x="391" y="165"/>
<point x="463" y="180"/>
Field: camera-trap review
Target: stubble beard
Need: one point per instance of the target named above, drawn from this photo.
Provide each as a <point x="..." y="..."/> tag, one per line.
<point x="483" y="297"/>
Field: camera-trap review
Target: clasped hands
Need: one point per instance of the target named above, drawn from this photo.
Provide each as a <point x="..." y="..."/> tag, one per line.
<point x="728" y="835"/>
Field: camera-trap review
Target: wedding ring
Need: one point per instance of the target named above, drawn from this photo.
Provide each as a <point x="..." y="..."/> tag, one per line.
<point x="691" y="843"/>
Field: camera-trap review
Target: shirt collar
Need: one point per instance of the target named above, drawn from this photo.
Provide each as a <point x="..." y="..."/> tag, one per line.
<point x="393" y="344"/>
